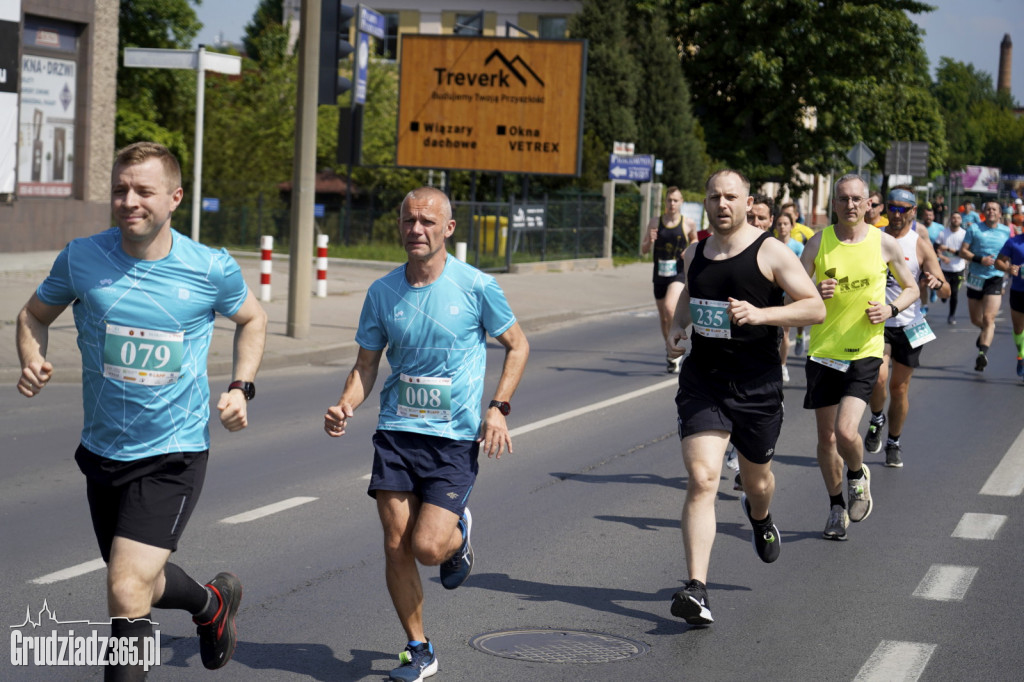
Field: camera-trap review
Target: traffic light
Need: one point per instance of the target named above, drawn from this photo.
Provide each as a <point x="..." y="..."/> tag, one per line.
<point x="335" y="19"/>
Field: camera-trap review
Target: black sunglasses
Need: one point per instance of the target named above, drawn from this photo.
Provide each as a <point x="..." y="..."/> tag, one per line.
<point x="874" y="205"/>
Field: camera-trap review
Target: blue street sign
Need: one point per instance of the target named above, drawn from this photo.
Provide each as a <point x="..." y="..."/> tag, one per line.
<point x="635" y="168"/>
<point x="210" y="205"/>
<point x="372" y="22"/>
<point x="318" y="210"/>
<point x="362" y="61"/>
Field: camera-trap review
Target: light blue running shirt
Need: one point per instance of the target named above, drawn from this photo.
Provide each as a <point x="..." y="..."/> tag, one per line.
<point x="436" y="345"/>
<point x="144" y="330"/>
<point x="983" y="240"/>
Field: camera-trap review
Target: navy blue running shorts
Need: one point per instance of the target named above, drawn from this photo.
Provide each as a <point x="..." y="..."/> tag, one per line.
<point x="750" y="410"/>
<point x="148" y="500"/>
<point x="993" y="286"/>
<point x="439" y="471"/>
<point x="827" y="386"/>
<point x="901" y="351"/>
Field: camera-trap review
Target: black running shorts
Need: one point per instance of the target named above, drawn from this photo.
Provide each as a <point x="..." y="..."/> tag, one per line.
<point x="148" y="500"/>
<point x="827" y="386"/>
<point x="900" y="351"/>
<point x="993" y="286"/>
<point x="750" y="410"/>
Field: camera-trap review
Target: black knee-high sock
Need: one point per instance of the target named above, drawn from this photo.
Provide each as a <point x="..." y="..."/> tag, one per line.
<point x="123" y="627"/>
<point x="182" y="592"/>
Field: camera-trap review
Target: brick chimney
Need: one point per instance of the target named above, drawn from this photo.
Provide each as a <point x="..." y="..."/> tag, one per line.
<point x="1005" y="63"/>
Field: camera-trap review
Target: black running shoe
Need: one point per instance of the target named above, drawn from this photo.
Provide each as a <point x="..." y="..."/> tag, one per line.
<point x="691" y="604"/>
<point x="873" y="438"/>
<point x="980" y="363"/>
<point x="217" y="637"/>
<point x="457" y="568"/>
<point x="765" y="536"/>
<point x="892" y="455"/>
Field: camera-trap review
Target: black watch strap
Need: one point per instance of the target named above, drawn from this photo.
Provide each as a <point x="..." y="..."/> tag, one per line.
<point x="246" y="387"/>
<point x="894" y="309"/>
<point x="502" y="406"/>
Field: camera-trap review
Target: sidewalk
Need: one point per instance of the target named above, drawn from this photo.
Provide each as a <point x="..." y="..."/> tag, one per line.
<point x="541" y="294"/>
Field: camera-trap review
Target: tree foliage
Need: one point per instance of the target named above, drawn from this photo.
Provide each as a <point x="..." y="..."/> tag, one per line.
<point x="156" y="104"/>
<point x="981" y="128"/>
<point x="787" y="85"/>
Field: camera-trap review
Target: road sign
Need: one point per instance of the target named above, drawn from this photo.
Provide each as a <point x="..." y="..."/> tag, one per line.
<point x="635" y="168"/>
<point x="860" y="155"/>
<point x="907" y="158"/>
<point x="211" y="204"/>
<point x="318" y="210"/>
<point x="372" y="22"/>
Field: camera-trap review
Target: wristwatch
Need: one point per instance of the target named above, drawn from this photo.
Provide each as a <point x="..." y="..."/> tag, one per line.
<point x="894" y="309"/>
<point x="502" y="406"/>
<point x="246" y="387"/>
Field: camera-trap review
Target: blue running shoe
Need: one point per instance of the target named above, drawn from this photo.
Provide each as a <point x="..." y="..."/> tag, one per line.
<point x="418" y="661"/>
<point x="456" y="569"/>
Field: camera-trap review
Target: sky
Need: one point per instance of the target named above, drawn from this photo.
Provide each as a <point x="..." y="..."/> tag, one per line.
<point x="968" y="31"/>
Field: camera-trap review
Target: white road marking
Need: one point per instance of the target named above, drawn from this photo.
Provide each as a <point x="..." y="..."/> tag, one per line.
<point x="572" y="414"/>
<point x="896" y="662"/>
<point x="979" y="526"/>
<point x="946" y="583"/>
<point x="1007" y="480"/>
<point x="267" y="510"/>
<point x="72" y="572"/>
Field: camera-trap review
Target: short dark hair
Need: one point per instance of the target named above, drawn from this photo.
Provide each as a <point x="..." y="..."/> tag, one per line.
<point x="140" y="152"/>
<point x="765" y="200"/>
<point x="741" y="176"/>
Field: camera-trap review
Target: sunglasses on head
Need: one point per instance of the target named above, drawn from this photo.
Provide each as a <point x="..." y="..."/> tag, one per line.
<point x="899" y="210"/>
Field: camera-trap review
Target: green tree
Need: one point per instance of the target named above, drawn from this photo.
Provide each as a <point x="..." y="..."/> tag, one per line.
<point x="611" y="89"/>
<point x="266" y="38"/>
<point x="782" y="86"/>
<point x="665" y="122"/>
<point x="156" y="104"/>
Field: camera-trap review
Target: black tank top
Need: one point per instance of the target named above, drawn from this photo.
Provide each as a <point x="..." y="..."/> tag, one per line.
<point x="670" y="244"/>
<point x="752" y="350"/>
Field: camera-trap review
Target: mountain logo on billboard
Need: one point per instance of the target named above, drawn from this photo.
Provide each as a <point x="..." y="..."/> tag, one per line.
<point x="511" y="66"/>
<point x="514" y="68"/>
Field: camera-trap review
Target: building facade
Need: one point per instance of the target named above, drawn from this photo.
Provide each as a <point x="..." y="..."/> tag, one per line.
<point x="57" y="130"/>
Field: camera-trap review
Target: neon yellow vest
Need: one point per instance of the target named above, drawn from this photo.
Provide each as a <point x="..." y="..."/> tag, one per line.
<point x="846" y="333"/>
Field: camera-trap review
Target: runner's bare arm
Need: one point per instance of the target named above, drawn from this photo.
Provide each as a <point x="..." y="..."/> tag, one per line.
<point x="33" y="335"/>
<point x="494" y="434"/>
<point x="358" y="385"/>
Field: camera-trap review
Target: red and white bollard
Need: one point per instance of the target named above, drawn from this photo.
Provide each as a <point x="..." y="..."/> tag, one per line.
<point x="321" y="266"/>
<point x="266" y="265"/>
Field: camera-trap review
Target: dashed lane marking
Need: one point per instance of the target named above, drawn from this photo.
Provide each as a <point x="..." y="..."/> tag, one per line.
<point x="979" y="526"/>
<point x="572" y="414"/>
<point x="946" y="583"/>
<point x="1007" y="480"/>
<point x="896" y="662"/>
<point x="267" y="510"/>
<point x="72" y="572"/>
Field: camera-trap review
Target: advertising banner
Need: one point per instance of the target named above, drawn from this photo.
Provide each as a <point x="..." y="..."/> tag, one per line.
<point x="47" y="126"/>
<point x="491" y="104"/>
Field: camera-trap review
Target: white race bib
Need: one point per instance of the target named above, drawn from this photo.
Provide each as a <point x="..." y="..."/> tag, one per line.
<point x="142" y="356"/>
<point x="839" y="365"/>
<point x="424" y="397"/>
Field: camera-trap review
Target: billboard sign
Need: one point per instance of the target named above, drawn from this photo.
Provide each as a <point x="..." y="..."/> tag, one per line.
<point x="491" y="104"/>
<point x="978" y="179"/>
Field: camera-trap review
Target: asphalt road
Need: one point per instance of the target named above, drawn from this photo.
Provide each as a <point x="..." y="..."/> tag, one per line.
<point x="576" y="530"/>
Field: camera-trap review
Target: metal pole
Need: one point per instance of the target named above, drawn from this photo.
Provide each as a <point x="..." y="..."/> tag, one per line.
<point x="197" y="173"/>
<point x="304" y="175"/>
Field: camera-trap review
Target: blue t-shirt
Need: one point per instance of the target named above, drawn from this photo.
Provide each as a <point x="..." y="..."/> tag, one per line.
<point x="1014" y="250"/>
<point x="436" y="345"/>
<point x="983" y="240"/>
<point x="934" y="231"/>
<point x="144" y="330"/>
<point x="795" y="246"/>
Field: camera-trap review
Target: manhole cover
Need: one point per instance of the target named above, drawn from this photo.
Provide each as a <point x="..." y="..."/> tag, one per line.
<point x="558" y="646"/>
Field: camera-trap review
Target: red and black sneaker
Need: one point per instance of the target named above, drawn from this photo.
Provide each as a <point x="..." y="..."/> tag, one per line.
<point x="217" y="637"/>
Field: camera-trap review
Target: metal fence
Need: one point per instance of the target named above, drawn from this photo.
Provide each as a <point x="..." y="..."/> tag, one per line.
<point x="496" y="234"/>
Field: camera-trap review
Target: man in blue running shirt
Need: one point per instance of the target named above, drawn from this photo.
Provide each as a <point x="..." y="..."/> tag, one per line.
<point x="144" y="298"/>
<point x="981" y="247"/>
<point x="432" y="315"/>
